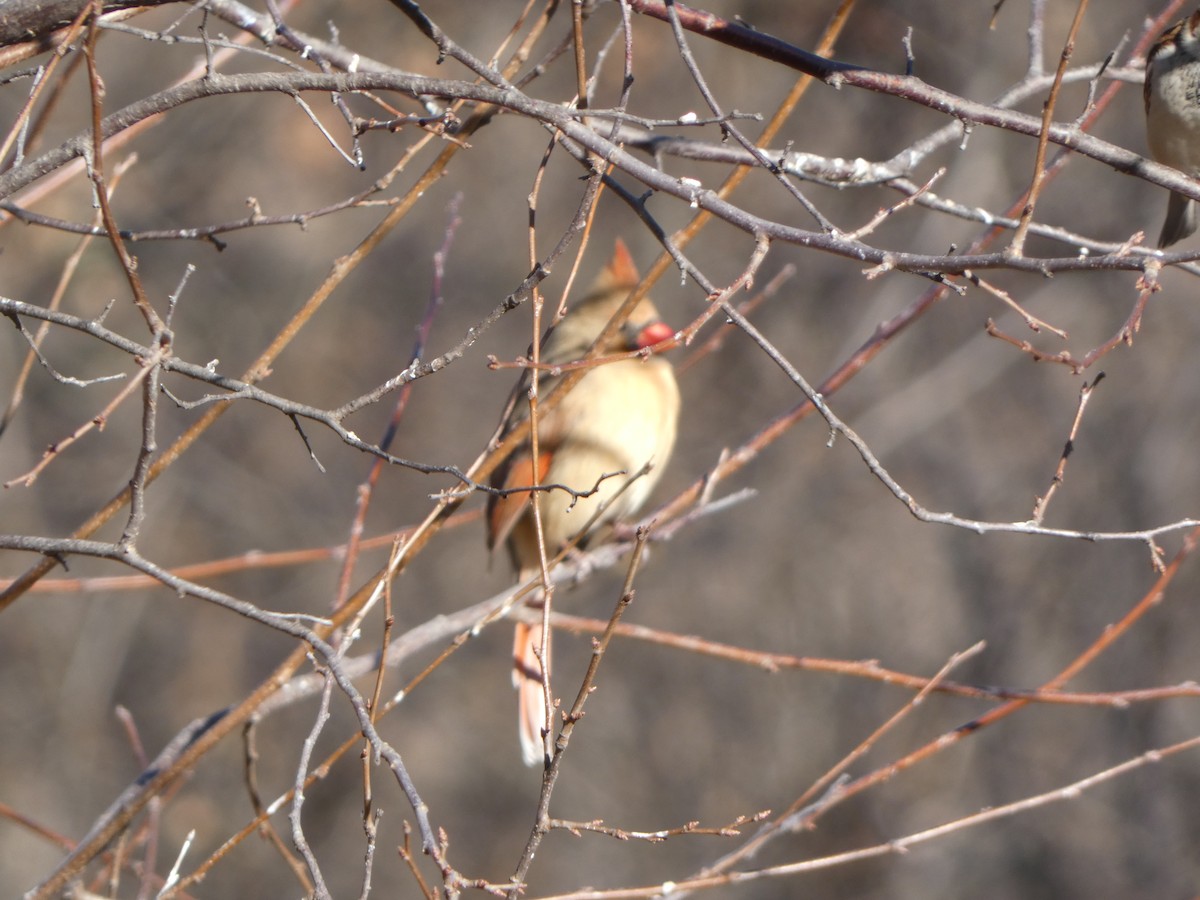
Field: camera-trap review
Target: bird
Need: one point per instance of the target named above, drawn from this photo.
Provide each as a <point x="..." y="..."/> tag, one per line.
<point x="619" y="417"/>
<point x="1172" y="96"/>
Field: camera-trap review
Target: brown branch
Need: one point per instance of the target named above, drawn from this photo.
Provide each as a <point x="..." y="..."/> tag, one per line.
<point x="1017" y="246"/>
<point x="870" y="670"/>
<point x="100" y="187"/>
<point x="26" y="20"/>
<point x="1085" y="393"/>
<point x="1148" y="284"/>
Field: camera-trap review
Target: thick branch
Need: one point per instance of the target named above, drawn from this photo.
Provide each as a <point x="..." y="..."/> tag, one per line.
<point x="565" y="120"/>
<point x="25" y="20"/>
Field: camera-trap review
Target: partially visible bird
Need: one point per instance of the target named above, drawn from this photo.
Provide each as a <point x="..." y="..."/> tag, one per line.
<point x="617" y="418"/>
<point x="1172" y="95"/>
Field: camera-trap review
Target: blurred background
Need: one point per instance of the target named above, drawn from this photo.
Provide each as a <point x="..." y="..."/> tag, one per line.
<point x="821" y="562"/>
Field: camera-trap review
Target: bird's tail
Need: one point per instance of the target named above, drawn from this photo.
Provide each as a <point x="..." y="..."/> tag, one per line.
<point x="530" y="682"/>
<point x="1181" y="220"/>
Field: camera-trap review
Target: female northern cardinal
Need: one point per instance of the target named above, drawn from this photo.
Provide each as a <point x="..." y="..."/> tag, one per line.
<point x="615" y="419"/>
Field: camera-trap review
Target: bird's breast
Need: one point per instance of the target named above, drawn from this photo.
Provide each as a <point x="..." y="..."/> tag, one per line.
<point x="618" y="417"/>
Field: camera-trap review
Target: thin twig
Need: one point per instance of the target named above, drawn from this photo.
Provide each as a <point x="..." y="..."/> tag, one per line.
<point x="1085" y="393"/>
